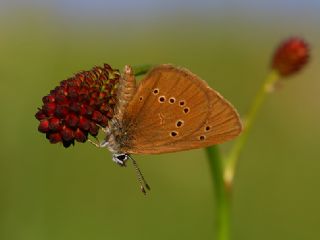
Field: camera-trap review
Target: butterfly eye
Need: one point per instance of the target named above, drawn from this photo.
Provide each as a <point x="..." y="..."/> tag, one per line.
<point x="122" y="157"/>
<point x="155" y="91"/>
<point x="179" y="123"/>
<point x="172" y="100"/>
<point x="141" y="98"/>
<point x="207" y="128"/>
<point x="162" y="99"/>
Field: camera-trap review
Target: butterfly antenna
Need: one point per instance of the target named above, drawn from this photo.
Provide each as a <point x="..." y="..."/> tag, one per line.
<point x="142" y="181"/>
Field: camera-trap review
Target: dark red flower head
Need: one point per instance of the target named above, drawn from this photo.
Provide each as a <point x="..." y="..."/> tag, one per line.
<point x="74" y="108"/>
<point x="291" y="56"/>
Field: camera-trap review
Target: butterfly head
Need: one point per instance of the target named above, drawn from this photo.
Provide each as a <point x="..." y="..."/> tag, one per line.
<point x="120" y="158"/>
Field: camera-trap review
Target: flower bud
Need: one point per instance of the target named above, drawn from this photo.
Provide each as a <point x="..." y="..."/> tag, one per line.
<point x="291" y="56"/>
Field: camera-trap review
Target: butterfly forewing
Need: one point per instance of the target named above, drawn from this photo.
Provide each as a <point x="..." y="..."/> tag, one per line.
<point x="175" y="110"/>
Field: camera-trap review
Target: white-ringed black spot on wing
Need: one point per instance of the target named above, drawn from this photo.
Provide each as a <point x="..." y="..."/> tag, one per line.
<point x="202" y="137"/>
<point x="155" y="91"/>
<point x="186" y="110"/>
<point x="182" y="103"/>
<point x="179" y="123"/>
<point x="173" y="134"/>
<point x="161" y="99"/>
<point x="172" y="100"/>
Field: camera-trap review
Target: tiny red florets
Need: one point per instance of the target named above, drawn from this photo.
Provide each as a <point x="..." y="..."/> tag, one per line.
<point x="74" y="108"/>
<point x="291" y="56"/>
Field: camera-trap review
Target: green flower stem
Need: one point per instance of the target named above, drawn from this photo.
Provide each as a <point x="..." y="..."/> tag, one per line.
<point x="232" y="159"/>
<point x="141" y="69"/>
<point x="221" y="194"/>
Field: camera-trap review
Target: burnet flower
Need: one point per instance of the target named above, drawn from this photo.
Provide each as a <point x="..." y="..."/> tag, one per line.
<point x="79" y="105"/>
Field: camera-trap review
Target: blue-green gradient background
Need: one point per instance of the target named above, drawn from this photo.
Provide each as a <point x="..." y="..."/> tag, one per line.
<point x="48" y="192"/>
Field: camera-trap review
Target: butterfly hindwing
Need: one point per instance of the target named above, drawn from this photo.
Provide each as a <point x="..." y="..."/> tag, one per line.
<point x="174" y="110"/>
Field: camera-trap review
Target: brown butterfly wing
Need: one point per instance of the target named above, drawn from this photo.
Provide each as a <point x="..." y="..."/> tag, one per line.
<point x="174" y="110"/>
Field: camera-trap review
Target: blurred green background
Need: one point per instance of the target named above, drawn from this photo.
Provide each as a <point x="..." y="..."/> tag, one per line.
<point x="48" y="192"/>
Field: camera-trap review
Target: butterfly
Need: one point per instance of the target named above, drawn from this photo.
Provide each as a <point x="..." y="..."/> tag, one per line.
<point x="170" y="110"/>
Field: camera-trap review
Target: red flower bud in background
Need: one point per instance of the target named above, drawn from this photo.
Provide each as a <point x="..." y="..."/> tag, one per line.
<point x="291" y="56"/>
<point x="74" y="108"/>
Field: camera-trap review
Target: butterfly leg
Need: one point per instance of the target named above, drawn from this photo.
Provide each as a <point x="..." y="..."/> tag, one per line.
<point x="98" y="144"/>
<point x="104" y="129"/>
<point x="104" y="143"/>
<point x="94" y="143"/>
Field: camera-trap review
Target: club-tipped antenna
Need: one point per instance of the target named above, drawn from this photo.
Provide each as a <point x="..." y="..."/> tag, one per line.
<point x="142" y="181"/>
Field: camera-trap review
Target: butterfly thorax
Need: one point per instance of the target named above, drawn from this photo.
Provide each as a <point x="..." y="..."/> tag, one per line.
<point x="119" y="136"/>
